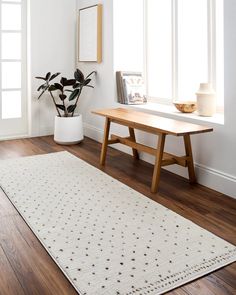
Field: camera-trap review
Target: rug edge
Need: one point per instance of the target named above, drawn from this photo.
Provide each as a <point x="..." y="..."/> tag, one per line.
<point x="42" y="243"/>
<point x="192" y="278"/>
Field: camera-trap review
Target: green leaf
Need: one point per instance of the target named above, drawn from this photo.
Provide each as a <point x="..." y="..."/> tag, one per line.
<point x="44" y="90"/>
<point x="63" y="81"/>
<point x="58" y="86"/>
<point x="76" y="85"/>
<point x="79" y="76"/>
<point x="74" y="94"/>
<point x="41" y="87"/>
<point x="61" y="107"/>
<point x="93" y="72"/>
<point x="54" y="76"/>
<point x="71" y="108"/>
<point x="68" y="90"/>
<point x="62" y="96"/>
<point x="48" y="76"/>
<point x="70" y="82"/>
<point x="41" y="78"/>
<point x="41" y="94"/>
<point x="52" y="88"/>
<point x="86" y="82"/>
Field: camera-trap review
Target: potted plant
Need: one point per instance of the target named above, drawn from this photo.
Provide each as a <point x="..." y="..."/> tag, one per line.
<point x="68" y="123"/>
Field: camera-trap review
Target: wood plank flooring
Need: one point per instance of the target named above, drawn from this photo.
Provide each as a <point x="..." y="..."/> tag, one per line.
<point x="25" y="266"/>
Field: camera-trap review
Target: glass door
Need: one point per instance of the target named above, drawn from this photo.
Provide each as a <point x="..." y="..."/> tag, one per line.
<point x="13" y="94"/>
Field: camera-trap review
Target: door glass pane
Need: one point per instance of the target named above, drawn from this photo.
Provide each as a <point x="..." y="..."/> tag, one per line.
<point x="192" y="47"/>
<point x="11" y="75"/>
<point x="11" y="46"/>
<point x="11" y="17"/>
<point x="11" y="104"/>
<point x="159" y="52"/>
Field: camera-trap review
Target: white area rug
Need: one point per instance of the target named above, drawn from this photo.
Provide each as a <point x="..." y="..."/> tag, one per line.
<point x="106" y="237"/>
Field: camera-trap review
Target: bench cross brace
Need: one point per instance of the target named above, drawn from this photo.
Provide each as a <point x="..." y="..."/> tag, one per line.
<point x="161" y="158"/>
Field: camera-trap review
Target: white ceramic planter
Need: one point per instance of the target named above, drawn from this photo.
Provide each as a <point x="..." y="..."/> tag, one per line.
<point x="68" y="130"/>
<point x="206" y="100"/>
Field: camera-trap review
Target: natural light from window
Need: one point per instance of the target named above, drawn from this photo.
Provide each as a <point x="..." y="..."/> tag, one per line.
<point x="184" y="47"/>
<point x="11" y="58"/>
<point x="159" y="51"/>
<point x="192" y="48"/>
<point x="128" y="36"/>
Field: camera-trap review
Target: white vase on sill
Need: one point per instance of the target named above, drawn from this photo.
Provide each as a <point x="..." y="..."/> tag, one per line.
<point x="206" y="100"/>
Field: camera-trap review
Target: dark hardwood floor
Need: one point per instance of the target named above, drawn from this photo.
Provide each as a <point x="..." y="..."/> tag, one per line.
<point x="26" y="268"/>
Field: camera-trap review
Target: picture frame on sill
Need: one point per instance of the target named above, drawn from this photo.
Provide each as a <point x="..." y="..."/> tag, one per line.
<point x="130" y="88"/>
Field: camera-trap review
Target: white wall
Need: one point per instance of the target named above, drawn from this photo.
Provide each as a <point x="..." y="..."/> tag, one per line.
<point x="51" y="48"/>
<point x="103" y="94"/>
<point x="215" y="154"/>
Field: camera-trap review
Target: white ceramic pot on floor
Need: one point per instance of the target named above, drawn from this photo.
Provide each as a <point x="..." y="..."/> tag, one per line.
<point x="68" y="130"/>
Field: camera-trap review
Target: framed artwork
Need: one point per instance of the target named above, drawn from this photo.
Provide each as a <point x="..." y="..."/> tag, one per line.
<point x="90" y="34"/>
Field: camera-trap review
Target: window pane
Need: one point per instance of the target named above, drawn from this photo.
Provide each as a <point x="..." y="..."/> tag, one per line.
<point x="159" y="36"/>
<point x="192" y="47"/>
<point x="11" y="17"/>
<point x="11" y="46"/>
<point x="128" y="35"/>
<point x="11" y="75"/>
<point x="11" y="104"/>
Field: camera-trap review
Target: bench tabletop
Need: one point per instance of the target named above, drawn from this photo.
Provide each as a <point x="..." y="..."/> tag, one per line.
<point x="151" y="123"/>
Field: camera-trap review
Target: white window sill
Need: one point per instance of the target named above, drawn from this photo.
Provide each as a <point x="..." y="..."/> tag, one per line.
<point x="170" y="111"/>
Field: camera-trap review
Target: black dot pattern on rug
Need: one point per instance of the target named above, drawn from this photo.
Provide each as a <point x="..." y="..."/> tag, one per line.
<point x="105" y="236"/>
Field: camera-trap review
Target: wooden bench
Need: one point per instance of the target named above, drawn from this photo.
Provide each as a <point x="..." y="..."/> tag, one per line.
<point x="156" y="125"/>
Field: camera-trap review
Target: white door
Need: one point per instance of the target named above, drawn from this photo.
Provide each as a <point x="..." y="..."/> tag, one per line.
<point x="13" y="82"/>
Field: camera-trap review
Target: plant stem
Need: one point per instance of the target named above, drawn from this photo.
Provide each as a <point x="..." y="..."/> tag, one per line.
<point x="65" y="112"/>
<point x="77" y="100"/>
<point x="55" y="103"/>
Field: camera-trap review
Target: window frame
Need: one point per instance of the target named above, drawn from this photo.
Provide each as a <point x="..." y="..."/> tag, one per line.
<point x="212" y="54"/>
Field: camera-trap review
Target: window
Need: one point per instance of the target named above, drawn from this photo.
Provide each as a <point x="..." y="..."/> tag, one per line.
<point x="128" y="20"/>
<point x="184" y="47"/>
<point x="12" y="67"/>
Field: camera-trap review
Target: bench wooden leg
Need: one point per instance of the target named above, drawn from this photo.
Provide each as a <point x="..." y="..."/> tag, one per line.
<point x="105" y="142"/>
<point x="158" y="160"/>
<point x="132" y="136"/>
<point x="188" y="149"/>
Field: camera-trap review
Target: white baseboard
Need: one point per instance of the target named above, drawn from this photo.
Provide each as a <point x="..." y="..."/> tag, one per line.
<point x="212" y="178"/>
<point x="93" y="132"/>
<point x="218" y="180"/>
<point x="44" y="131"/>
